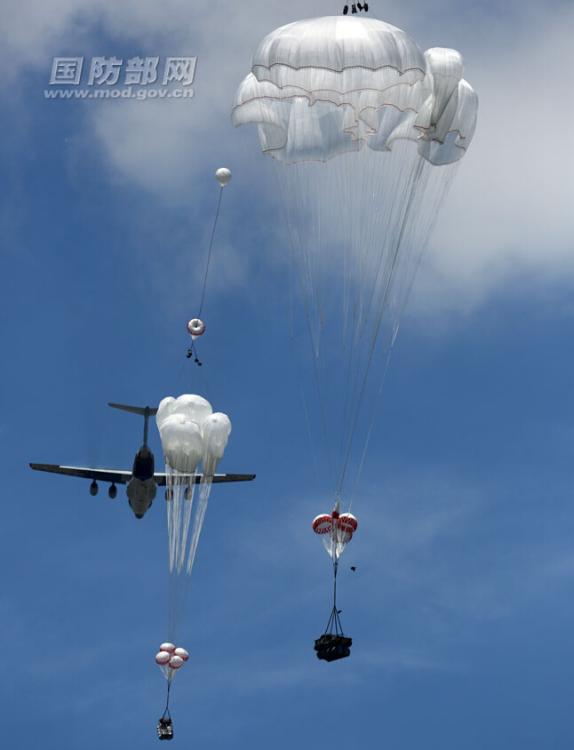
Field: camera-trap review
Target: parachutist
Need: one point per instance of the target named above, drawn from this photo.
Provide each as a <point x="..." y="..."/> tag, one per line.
<point x="355" y="8"/>
<point x="353" y="568"/>
<point x="191" y="353"/>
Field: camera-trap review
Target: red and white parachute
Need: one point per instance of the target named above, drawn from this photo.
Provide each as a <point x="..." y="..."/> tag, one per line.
<point x="336" y="531"/>
<point x="170" y="658"/>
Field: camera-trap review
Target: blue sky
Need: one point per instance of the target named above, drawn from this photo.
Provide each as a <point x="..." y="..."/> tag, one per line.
<point x="461" y="608"/>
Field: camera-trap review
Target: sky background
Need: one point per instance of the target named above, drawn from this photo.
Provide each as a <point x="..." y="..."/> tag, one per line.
<point x="461" y="609"/>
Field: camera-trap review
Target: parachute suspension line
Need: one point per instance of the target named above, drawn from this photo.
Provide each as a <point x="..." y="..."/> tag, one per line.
<point x="334" y="621"/>
<point x="183" y="534"/>
<point x="441" y="193"/>
<point x="363" y="309"/>
<point x="335" y="569"/>
<point x="204" y="493"/>
<point x="378" y="323"/>
<point x="367" y="208"/>
<point x="372" y="421"/>
<point x="166" y="714"/>
<point x="413" y="184"/>
<point x="310" y="298"/>
<point x="309" y="431"/>
<point x="209" y="252"/>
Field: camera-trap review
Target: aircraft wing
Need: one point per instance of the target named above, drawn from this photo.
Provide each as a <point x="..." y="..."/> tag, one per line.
<point x="117" y="476"/>
<point x="120" y="476"/>
<point x="161" y="478"/>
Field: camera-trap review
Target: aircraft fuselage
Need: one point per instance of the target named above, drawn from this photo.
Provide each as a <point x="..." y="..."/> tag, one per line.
<point x="142" y="487"/>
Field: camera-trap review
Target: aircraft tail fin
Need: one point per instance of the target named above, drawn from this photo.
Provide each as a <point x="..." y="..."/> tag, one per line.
<point x="144" y="411"/>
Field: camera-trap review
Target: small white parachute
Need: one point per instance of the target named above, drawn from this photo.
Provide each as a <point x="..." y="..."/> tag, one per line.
<point x="223" y="176"/>
<point x="195" y="328"/>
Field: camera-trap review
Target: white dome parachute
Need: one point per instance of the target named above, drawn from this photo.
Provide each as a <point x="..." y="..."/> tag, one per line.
<point x="365" y="131"/>
<point x="223" y="176"/>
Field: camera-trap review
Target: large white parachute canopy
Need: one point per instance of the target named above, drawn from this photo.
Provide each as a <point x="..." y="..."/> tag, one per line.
<point x="193" y="439"/>
<point x="365" y="130"/>
<point x="326" y="86"/>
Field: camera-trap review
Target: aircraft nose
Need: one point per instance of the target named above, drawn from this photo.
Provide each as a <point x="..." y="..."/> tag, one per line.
<point x="139" y="515"/>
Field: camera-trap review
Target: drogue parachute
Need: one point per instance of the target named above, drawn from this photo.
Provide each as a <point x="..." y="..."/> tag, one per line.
<point x="195" y="328"/>
<point x="365" y="132"/>
<point x="223" y="176"/>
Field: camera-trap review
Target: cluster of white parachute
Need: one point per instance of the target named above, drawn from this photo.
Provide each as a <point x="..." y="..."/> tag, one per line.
<point x="170" y="658"/>
<point x="325" y="86"/>
<point x="191" y="433"/>
<point x="365" y="131"/>
<point x="193" y="438"/>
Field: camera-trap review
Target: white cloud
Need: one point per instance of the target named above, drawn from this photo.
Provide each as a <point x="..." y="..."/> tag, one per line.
<point x="509" y="215"/>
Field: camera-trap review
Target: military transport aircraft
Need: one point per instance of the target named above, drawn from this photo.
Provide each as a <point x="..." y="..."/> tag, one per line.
<point x="142" y="481"/>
